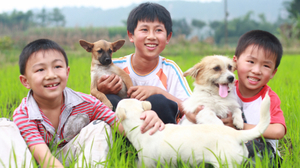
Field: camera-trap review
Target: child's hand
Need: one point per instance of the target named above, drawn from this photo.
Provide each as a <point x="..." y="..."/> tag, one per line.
<point x="109" y="84"/>
<point x="228" y="121"/>
<point x="141" y="92"/>
<point x="151" y="120"/>
<point x="192" y="116"/>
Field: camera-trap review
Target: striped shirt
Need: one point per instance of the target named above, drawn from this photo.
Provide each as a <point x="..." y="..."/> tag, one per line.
<point x="167" y="75"/>
<point x="78" y="110"/>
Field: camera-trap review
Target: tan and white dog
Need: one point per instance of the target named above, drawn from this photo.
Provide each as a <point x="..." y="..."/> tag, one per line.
<point x="193" y="144"/>
<point x="214" y="81"/>
<point x="103" y="65"/>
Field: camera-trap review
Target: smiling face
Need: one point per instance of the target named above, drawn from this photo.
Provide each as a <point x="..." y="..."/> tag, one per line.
<point x="46" y="74"/>
<point x="149" y="38"/>
<point x="255" y="68"/>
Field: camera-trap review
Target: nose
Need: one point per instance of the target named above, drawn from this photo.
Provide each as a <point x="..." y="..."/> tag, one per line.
<point x="151" y="35"/>
<point x="50" y="74"/>
<point x="230" y="78"/>
<point x="105" y="60"/>
<point x="256" y="69"/>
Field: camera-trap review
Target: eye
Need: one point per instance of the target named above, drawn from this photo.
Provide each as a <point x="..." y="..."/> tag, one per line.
<point x="217" y="68"/>
<point x="100" y="51"/>
<point x="40" y="70"/>
<point x="58" y="66"/>
<point x="250" y="61"/>
<point x="230" y="67"/>
<point x="158" y="30"/>
<point x="109" y="51"/>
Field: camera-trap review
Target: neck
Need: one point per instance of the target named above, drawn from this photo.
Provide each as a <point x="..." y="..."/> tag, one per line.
<point x="143" y="66"/>
<point x="48" y="105"/>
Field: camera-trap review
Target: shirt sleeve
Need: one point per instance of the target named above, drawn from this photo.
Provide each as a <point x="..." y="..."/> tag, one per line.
<point x="276" y="112"/>
<point x="28" y="128"/>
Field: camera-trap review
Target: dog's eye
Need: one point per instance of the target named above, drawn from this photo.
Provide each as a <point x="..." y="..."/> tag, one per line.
<point x="217" y="68"/>
<point x="100" y="51"/>
<point x="109" y="51"/>
<point x="229" y="67"/>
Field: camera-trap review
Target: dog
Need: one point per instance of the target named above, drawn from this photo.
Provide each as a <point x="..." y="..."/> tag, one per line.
<point x="214" y="80"/>
<point x="193" y="144"/>
<point x="103" y="65"/>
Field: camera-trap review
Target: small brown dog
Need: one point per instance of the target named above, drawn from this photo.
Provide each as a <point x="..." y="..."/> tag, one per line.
<point x="103" y="65"/>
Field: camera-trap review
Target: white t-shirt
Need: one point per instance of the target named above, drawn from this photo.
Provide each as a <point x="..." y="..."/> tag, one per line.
<point x="167" y="75"/>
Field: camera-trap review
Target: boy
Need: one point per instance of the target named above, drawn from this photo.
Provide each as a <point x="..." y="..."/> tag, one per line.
<point x="74" y="122"/>
<point x="156" y="79"/>
<point x="258" y="54"/>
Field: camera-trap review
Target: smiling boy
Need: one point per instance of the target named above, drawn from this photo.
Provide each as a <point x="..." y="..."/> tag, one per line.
<point x="257" y="58"/>
<point x="76" y="123"/>
<point x="155" y="78"/>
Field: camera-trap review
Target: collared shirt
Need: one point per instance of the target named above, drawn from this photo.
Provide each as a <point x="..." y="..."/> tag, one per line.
<point x="78" y="110"/>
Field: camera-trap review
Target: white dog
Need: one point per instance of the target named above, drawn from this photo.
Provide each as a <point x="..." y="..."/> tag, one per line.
<point x="214" y="80"/>
<point x="193" y="144"/>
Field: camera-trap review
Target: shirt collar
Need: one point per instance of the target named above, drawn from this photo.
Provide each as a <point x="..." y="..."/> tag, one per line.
<point x="72" y="98"/>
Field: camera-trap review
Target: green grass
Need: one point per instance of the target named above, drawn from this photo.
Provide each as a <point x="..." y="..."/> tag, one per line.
<point x="285" y="83"/>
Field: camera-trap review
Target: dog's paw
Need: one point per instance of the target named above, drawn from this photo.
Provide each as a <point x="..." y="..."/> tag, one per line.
<point x="238" y="122"/>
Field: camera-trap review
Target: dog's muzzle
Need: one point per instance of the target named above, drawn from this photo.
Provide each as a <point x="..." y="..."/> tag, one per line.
<point x="105" y="60"/>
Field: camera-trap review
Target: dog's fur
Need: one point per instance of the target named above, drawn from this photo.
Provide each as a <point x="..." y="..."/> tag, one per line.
<point x="210" y="74"/>
<point x="103" y="65"/>
<point x="195" y="143"/>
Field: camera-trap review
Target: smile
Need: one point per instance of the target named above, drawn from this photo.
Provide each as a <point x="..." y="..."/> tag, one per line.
<point x="53" y="85"/>
<point x="253" y="79"/>
<point x="151" y="45"/>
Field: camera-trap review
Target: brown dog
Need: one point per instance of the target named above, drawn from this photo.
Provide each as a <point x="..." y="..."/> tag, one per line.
<point x="103" y="65"/>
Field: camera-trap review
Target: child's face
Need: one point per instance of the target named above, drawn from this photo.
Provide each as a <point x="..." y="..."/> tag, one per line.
<point x="150" y="39"/>
<point x="46" y="74"/>
<point x="254" y="69"/>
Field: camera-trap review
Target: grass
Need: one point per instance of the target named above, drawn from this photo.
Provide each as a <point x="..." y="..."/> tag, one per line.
<point x="285" y="83"/>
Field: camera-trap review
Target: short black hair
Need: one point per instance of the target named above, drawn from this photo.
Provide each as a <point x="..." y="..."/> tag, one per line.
<point x="149" y="12"/>
<point x="260" y="38"/>
<point x="35" y="46"/>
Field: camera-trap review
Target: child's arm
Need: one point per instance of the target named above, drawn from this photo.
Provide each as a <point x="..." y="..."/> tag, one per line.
<point x="43" y="156"/>
<point x="274" y="131"/>
<point x="109" y="84"/>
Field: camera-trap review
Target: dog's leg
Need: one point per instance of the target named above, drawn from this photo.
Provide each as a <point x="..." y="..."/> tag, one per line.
<point x="237" y="118"/>
<point x="206" y="116"/>
<point x="124" y="76"/>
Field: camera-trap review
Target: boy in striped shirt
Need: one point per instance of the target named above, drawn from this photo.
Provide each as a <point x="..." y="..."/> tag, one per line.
<point x="75" y="122"/>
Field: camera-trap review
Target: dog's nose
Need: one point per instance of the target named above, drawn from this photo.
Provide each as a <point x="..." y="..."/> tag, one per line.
<point x="230" y="78"/>
<point x="105" y="61"/>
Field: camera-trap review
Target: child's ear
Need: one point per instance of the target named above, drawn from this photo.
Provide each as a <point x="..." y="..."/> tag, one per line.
<point x="234" y="59"/>
<point x="130" y="36"/>
<point x="169" y="37"/>
<point x="24" y="81"/>
<point x="273" y="73"/>
<point x="68" y="71"/>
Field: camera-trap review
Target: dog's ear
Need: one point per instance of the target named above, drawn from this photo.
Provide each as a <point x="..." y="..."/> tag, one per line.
<point x="121" y="113"/>
<point x="146" y="105"/>
<point x="86" y="45"/>
<point x="117" y="45"/>
<point x="193" y="72"/>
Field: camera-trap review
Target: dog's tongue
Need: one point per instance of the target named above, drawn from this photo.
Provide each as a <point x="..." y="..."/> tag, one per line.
<point x="223" y="90"/>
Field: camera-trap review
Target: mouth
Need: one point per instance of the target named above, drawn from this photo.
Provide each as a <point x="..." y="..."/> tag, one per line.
<point x="253" y="79"/>
<point x="151" y="45"/>
<point x="51" y="85"/>
<point x="223" y="89"/>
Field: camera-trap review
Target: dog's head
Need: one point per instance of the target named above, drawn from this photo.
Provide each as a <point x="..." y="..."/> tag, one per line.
<point x="215" y="72"/>
<point x="131" y="108"/>
<point x="102" y="50"/>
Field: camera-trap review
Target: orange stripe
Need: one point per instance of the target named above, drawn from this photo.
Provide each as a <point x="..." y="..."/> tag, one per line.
<point x="162" y="77"/>
<point x="126" y="70"/>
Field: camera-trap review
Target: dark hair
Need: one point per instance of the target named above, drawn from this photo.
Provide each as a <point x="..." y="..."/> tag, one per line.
<point x="35" y="46"/>
<point x="149" y="12"/>
<point x="260" y="38"/>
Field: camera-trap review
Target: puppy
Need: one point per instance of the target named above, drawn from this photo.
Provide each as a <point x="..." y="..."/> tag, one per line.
<point x="214" y="80"/>
<point x="103" y="65"/>
<point x="193" y="144"/>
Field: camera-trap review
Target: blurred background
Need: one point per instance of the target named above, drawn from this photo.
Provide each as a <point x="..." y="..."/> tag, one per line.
<point x="211" y="23"/>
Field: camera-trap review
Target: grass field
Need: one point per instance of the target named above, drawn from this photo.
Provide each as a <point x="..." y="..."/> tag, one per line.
<point x="285" y="83"/>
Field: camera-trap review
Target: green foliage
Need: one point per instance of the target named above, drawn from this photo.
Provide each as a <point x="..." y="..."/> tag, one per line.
<point x="5" y="42"/>
<point x="180" y="26"/>
<point x="117" y="31"/>
<point x="293" y="8"/>
<point x="17" y="19"/>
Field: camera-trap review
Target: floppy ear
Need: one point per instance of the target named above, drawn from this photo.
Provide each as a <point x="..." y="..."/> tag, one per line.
<point x="86" y="45"/>
<point x="146" y="105"/>
<point x="117" y="45"/>
<point x="121" y="114"/>
<point x="193" y="72"/>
